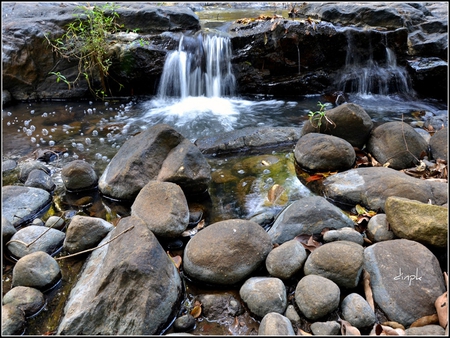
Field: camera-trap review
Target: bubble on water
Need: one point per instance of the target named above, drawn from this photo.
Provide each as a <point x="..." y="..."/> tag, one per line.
<point x="51" y="143"/>
<point x="8" y="123"/>
<point x="43" y="141"/>
<point x="26" y="123"/>
<point x="94" y="133"/>
<point x="87" y="141"/>
<point x="53" y="130"/>
<point x="74" y="144"/>
<point x="102" y="140"/>
<point x="104" y="158"/>
<point x="269" y="180"/>
<point x="90" y="103"/>
<point x="44" y="115"/>
<point x="32" y="111"/>
<point x="80" y="146"/>
<point x="44" y="132"/>
<point x="9" y="113"/>
<point x="109" y="136"/>
<point x="29" y="132"/>
<point x="66" y="154"/>
<point x="241" y="172"/>
<point x="118" y="146"/>
<point x="266" y="171"/>
<point x="81" y="134"/>
<point x="33" y="140"/>
<point x="106" y="104"/>
<point x="98" y="156"/>
<point x="89" y="111"/>
<point x="75" y="156"/>
<point x="32" y="128"/>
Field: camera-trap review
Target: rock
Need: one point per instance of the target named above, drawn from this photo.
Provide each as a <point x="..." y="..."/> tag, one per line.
<point x="37" y="270"/>
<point x="439" y="144"/>
<point x="329" y="328"/>
<point x="85" y="233"/>
<point x="263" y="295"/>
<point x="27" y="167"/>
<point x="320" y="152"/>
<point x="28" y="299"/>
<point x="292" y="314"/>
<point x="55" y="222"/>
<point x="371" y="186"/>
<point x="405" y="277"/>
<point x="163" y="207"/>
<point x="39" y="179"/>
<point x="357" y="311"/>
<point x="307" y="216"/>
<point x="378" y="229"/>
<point x="316" y="296"/>
<point x="128" y="287"/>
<point x="417" y="221"/>
<point x="396" y="143"/>
<point x="79" y="175"/>
<point x="184" y="323"/>
<point x="341" y="261"/>
<point x="428" y="72"/>
<point x="44" y="239"/>
<point x="8" y="230"/>
<point x="343" y="234"/>
<point x="226" y="252"/>
<point x="21" y="205"/>
<point x="275" y="324"/>
<point x="427" y="330"/>
<point x="217" y="306"/>
<point x="13" y="320"/>
<point x="286" y="260"/>
<point x="351" y="123"/>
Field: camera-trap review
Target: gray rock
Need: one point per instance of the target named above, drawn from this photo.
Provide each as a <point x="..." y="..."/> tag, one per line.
<point x="8" y="230"/>
<point x="357" y="311"/>
<point x="85" y="232"/>
<point x="30" y="300"/>
<point x="184" y="323"/>
<point x="317" y="296"/>
<point x="127" y="287"/>
<point x="307" y="216"/>
<point x="329" y="328"/>
<point x="351" y="123"/>
<point x="163" y="207"/>
<point x="341" y="261"/>
<point x="13" y="320"/>
<point x="44" y="239"/>
<point x="292" y="314"/>
<point x="286" y="260"/>
<point x="217" y="306"/>
<point x="263" y="295"/>
<point x="396" y="143"/>
<point x="405" y="277"/>
<point x="55" y="222"/>
<point x="37" y="270"/>
<point x="371" y="186"/>
<point x="344" y="234"/>
<point x="417" y="221"/>
<point x="321" y="152"/>
<point x="39" y="179"/>
<point x="378" y="229"/>
<point x="79" y="175"/>
<point x="439" y="144"/>
<point x="27" y="167"/>
<point x="275" y="324"/>
<point x="427" y="330"/>
<point x="21" y="205"/>
<point x="226" y="252"/>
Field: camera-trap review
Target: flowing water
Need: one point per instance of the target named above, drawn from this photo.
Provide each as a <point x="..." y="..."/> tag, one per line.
<point x="198" y="97"/>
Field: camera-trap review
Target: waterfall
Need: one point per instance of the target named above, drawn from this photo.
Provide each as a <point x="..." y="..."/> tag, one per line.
<point x="365" y="76"/>
<point x="200" y="67"/>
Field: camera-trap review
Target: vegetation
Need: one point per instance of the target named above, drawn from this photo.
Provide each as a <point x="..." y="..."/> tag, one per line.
<point x="86" y="40"/>
<point x="316" y="117"/>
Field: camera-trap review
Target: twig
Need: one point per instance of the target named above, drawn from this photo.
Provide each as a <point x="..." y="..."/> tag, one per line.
<point x="98" y="247"/>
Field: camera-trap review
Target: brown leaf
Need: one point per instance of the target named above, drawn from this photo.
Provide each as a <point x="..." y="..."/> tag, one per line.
<point x="176" y="260"/>
<point x="348" y="329"/>
<point x="384" y="330"/>
<point x="196" y="311"/>
<point x="308" y="242"/>
<point x="426" y="320"/>
<point x="368" y="290"/>
<point x="441" y="305"/>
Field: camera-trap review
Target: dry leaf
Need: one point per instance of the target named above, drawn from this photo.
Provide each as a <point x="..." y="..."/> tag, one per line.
<point x="384" y="330"/>
<point x="441" y="305"/>
<point x="303" y="333"/>
<point x="308" y="242"/>
<point x="426" y="320"/>
<point x="348" y="329"/>
<point x="176" y="260"/>
<point x="274" y="193"/>
<point x="394" y="325"/>
<point x="368" y="290"/>
<point x="196" y="311"/>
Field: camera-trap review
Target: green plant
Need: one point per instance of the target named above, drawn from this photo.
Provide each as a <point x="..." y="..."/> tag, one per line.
<point x="87" y="40"/>
<point x="316" y="117"/>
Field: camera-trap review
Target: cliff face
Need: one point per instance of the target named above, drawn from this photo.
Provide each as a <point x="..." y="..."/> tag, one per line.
<point x="307" y="53"/>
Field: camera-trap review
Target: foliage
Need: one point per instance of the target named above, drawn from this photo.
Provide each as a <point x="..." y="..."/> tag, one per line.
<point x="86" y="40"/>
<point x="316" y="117"/>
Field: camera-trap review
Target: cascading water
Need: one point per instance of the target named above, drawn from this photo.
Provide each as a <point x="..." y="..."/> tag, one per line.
<point x="364" y="76"/>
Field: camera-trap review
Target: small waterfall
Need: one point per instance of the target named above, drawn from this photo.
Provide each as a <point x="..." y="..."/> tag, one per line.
<point x="200" y="67"/>
<point x="365" y="76"/>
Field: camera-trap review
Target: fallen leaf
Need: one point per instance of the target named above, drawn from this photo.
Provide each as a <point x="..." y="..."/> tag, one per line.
<point x="176" y="260"/>
<point x="426" y="320"/>
<point x="196" y="311"/>
<point x="441" y="305"/>
<point x="308" y="242"/>
<point x="368" y="290"/>
<point x="303" y="333"/>
<point x="348" y="329"/>
<point x="394" y="325"/>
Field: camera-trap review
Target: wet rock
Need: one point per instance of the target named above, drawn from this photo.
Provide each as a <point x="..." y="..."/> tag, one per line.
<point x="79" y="175"/>
<point x="396" y="143"/>
<point x="226" y="252"/>
<point x="341" y="261"/>
<point x="8" y="230"/>
<point x="263" y="295"/>
<point x="351" y="123"/>
<point x="55" y="222"/>
<point x="427" y="330"/>
<point x="21" y="205"/>
<point x="39" y="179"/>
<point x="378" y="229"/>
<point x="316" y="296"/>
<point x="8" y="165"/>
<point x="162" y="206"/>
<point x="85" y="233"/>
<point x="357" y="311"/>
<point x="417" y="221"/>
<point x="343" y="234"/>
<point x="308" y="215"/>
<point x="13" y="320"/>
<point x="319" y="152"/>
<point x="44" y="239"/>
<point x="439" y="144"/>
<point x="329" y="328"/>
<point x="217" y="306"/>
<point x="286" y="260"/>
<point x="27" y="167"/>
<point x="405" y="277"/>
<point x="30" y="300"/>
<point x="275" y="324"/>
<point x="37" y="270"/>
<point x="128" y="287"/>
<point x="184" y="323"/>
<point x="371" y="186"/>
